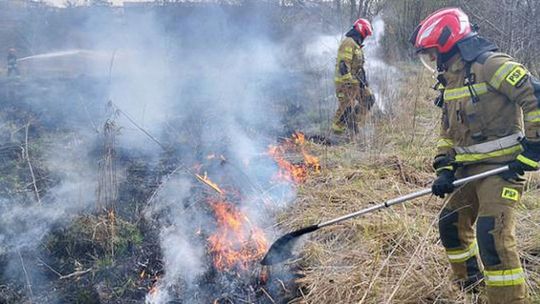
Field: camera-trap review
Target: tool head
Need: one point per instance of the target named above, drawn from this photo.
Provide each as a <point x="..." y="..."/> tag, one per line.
<point x="281" y="249"/>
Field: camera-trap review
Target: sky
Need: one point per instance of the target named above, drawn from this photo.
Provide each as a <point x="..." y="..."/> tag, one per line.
<point x="115" y="2"/>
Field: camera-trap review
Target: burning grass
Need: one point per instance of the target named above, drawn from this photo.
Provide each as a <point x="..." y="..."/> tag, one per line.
<point x="289" y="171"/>
<point x="236" y="244"/>
<point x="231" y="237"/>
<point x="393" y="255"/>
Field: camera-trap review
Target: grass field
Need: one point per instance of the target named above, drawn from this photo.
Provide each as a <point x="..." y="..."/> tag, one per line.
<point x="393" y="255"/>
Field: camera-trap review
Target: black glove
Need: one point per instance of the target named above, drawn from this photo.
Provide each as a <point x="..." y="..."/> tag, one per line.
<point x="444" y="166"/>
<point x="443" y="162"/>
<point x="343" y="69"/>
<point x="443" y="184"/>
<point x="528" y="160"/>
<point x="370" y="100"/>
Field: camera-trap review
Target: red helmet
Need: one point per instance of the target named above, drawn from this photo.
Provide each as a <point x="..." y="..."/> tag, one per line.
<point x="442" y="30"/>
<point x="363" y="27"/>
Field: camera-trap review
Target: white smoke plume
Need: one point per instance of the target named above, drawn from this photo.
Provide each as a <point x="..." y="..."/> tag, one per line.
<point x="182" y="257"/>
<point x="207" y="82"/>
<point x="226" y="89"/>
<point x="25" y="222"/>
<point x="381" y="75"/>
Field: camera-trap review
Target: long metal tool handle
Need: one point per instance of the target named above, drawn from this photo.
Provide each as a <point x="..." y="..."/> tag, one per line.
<point x="411" y="196"/>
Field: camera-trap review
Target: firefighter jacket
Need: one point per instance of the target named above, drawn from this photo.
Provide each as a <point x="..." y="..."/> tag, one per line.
<point x="350" y="64"/>
<point x="487" y="106"/>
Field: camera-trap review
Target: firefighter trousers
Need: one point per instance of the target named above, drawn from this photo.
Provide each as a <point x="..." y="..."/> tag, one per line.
<point x="352" y="111"/>
<point x="490" y="250"/>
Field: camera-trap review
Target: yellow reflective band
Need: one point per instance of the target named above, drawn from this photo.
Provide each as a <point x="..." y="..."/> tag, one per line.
<point x="516" y="75"/>
<point x="345" y="56"/>
<point x="511" y="194"/>
<point x="462" y="92"/>
<point x="445" y="143"/>
<point x="347" y="53"/>
<point x="527" y="161"/>
<point x="533" y="116"/>
<point x="451" y="168"/>
<point x="461" y="158"/>
<point x="346" y="78"/>
<point x="501" y="73"/>
<point x="459" y="256"/>
<point x="508" y="277"/>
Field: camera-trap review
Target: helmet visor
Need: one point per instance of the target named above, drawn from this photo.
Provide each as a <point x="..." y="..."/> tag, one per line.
<point x="429" y="60"/>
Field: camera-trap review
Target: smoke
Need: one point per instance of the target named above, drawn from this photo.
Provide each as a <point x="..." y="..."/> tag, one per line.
<point x="24" y="221"/>
<point x="381" y="75"/>
<point x="200" y="87"/>
<point x="215" y="86"/>
<point x="201" y="81"/>
<point x="182" y="254"/>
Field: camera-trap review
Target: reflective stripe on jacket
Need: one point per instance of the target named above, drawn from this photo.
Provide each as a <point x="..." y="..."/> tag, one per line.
<point x="508" y="105"/>
<point x="349" y="62"/>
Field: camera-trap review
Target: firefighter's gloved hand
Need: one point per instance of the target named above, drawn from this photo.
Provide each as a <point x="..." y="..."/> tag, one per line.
<point x="528" y="160"/>
<point x="444" y="183"/>
<point x="370" y="100"/>
<point x="520" y="165"/>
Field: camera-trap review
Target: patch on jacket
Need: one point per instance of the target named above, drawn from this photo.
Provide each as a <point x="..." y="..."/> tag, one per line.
<point x="511" y="194"/>
<point x="516" y="75"/>
<point x="520" y="83"/>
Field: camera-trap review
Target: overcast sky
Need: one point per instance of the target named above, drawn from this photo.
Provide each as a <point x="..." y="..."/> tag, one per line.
<point x="115" y="2"/>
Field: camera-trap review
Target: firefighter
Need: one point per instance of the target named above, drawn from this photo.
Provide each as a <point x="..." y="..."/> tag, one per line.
<point x="352" y="91"/>
<point x="490" y="108"/>
<point x="12" y="69"/>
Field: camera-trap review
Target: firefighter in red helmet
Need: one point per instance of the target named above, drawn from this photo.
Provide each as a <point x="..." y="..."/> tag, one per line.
<point x="490" y="107"/>
<point x="352" y="90"/>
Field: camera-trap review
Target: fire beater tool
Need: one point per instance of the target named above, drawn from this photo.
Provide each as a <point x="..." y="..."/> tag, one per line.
<point x="281" y="249"/>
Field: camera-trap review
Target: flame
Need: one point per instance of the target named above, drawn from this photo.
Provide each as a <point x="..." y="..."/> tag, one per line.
<point x="288" y="171"/>
<point x="311" y="161"/>
<point x="204" y="178"/>
<point x="236" y="244"/>
<point x="154" y="289"/>
<point x="299" y="138"/>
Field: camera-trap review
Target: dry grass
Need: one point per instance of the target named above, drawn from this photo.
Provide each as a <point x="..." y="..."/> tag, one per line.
<point x="393" y="255"/>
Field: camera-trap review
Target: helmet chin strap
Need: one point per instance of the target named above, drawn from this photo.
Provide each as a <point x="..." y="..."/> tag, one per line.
<point x="442" y="63"/>
<point x="441" y="81"/>
<point x="441" y="68"/>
